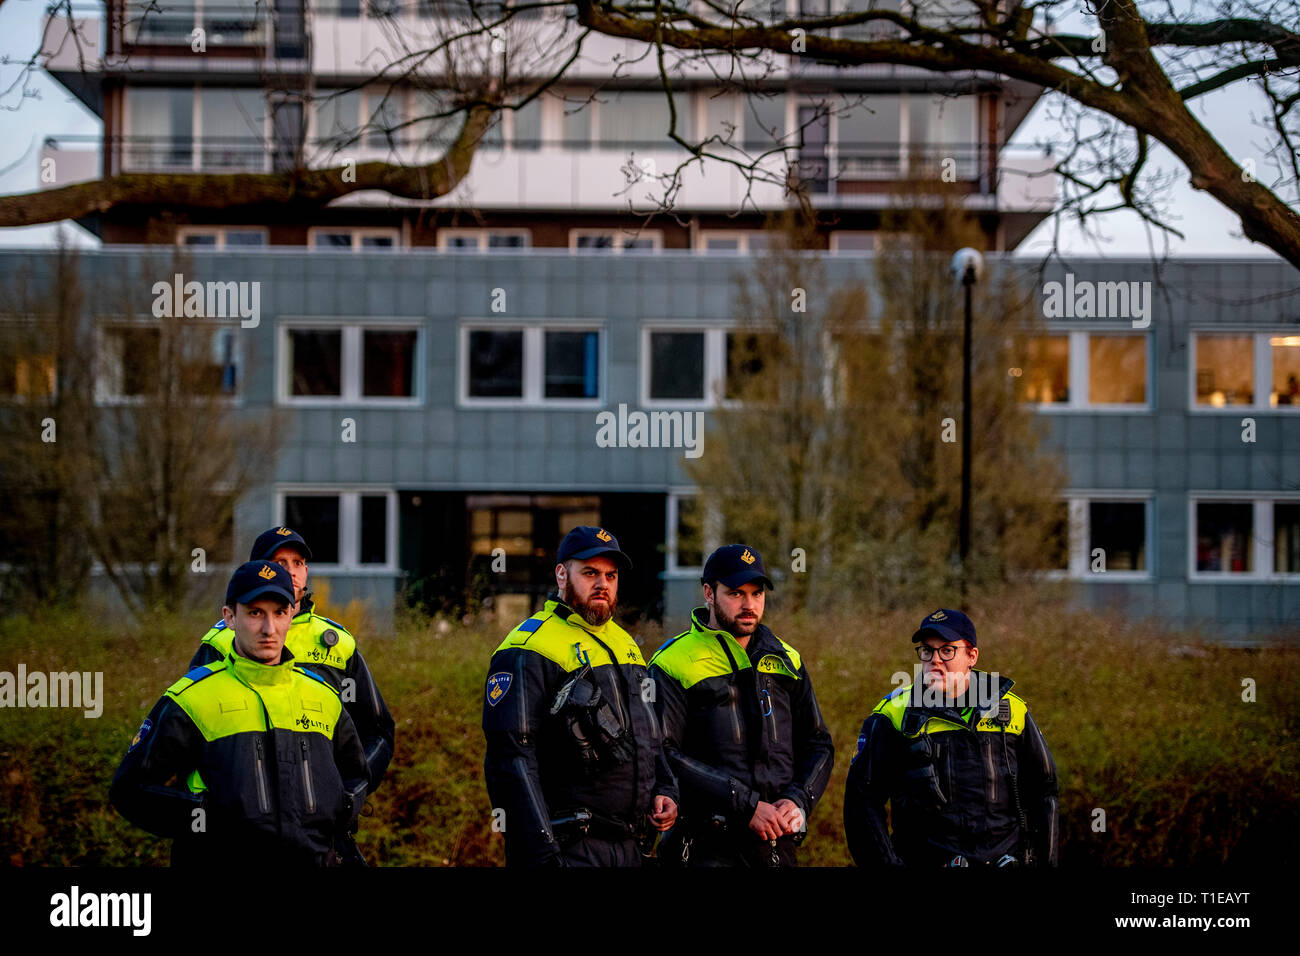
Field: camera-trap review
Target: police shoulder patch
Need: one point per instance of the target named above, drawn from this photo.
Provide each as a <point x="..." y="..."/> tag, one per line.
<point x="497" y="686"/>
<point x="314" y="676"/>
<point x="220" y="625"/>
<point x="140" y="734"/>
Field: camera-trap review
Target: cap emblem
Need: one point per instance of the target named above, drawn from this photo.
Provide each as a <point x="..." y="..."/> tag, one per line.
<point x="938" y="616"/>
<point x="603" y="535"/>
<point x="283" y="532"/>
<point x="267" y="572"/>
<point x="747" y="557"/>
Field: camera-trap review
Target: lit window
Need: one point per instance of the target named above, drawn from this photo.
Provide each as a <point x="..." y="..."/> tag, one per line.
<point x="26" y="376"/>
<point x="1117" y="366"/>
<point x="1286" y="370"/>
<point x="1224" y="537"/>
<point x="1225" y="370"/>
<point x="1045" y="376"/>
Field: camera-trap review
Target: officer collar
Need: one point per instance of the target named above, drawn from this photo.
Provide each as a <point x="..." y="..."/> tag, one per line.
<point x="761" y="643"/>
<point x="305" y="607"/>
<point x="572" y="618"/>
<point x="255" y="673"/>
<point x="969" y="707"/>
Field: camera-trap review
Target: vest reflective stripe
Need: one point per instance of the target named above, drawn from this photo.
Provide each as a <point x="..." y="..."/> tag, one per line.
<point x="222" y="704"/>
<point x="303" y="641"/>
<point x="697" y="655"/>
<point x="895" y="705"/>
<point x="560" y="641"/>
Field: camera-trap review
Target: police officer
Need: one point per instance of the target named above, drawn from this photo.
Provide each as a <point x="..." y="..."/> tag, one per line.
<point x="742" y="729"/>
<point x="267" y="763"/>
<point x="960" y="760"/>
<point x="574" y="767"/>
<point x="320" y="645"/>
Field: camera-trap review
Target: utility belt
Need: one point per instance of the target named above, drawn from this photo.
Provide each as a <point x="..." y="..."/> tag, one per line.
<point x="575" y="825"/>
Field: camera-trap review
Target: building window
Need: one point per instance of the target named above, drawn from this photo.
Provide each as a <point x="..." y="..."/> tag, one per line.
<point x="733" y="240"/>
<point x="572" y="364"/>
<point x="1111" y="366"/>
<point x="533" y="365"/>
<point x="694" y="366"/>
<point x="1286" y="370"/>
<point x="1118" y="530"/>
<point x="851" y="242"/>
<point x="373" y="363"/>
<point x="1045" y="376"/>
<point x="1231" y="370"/>
<point x="1224" y="539"/>
<point x="747" y="354"/>
<point x="1117" y="366"/>
<point x="355" y="239"/>
<point x="26" y="376"/>
<point x="639" y="119"/>
<point x="221" y="237"/>
<point x="1225" y="370"/>
<point x="496" y="364"/>
<point x="316" y="361"/>
<point x="347" y="530"/>
<point x="483" y="240"/>
<point x="388" y="363"/>
<point x="129" y="364"/>
<point x="685" y="533"/>
<point x="1286" y="537"/>
<point x="616" y="240"/>
<point x="677" y="366"/>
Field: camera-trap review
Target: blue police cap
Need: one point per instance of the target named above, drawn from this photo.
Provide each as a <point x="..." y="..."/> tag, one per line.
<point x="586" y="541"/>
<point x="734" y="565"/>
<point x="947" y="625"/>
<point x="273" y="539"/>
<point x="259" y="579"/>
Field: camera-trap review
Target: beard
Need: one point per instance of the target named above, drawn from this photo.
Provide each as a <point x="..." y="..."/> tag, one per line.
<point x="595" y="616"/>
<point x="733" y="626"/>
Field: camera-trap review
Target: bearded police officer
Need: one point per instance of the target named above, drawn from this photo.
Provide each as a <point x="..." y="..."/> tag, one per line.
<point x="742" y="730"/>
<point x="268" y="767"/>
<point x="961" y="762"/>
<point x="320" y="645"/>
<point x="574" y="765"/>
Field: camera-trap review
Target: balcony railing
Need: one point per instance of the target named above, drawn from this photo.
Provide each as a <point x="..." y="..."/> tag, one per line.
<point x="532" y="171"/>
<point x="224" y="23"/>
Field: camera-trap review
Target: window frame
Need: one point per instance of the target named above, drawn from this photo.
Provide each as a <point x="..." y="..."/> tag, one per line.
<point x="1079" y="383"/>
<point x="221" y="232"/>
<point x="715" y="364"/>
<point x="349" y="498"/>
<point x="533" y="380"/>
<point x="351" y="361"/>
<point x="1262" y="374"/>
<point x="356" y="232"/>
<point x="483" y="237"/>
<point x="1261" y="534"/>
<point x="1080" y="519"/>
<point x="617" y="233"/>
<point x="103" y="324"/>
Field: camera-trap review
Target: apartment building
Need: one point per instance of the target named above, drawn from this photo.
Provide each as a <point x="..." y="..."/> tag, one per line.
<point x="249" y="86"/>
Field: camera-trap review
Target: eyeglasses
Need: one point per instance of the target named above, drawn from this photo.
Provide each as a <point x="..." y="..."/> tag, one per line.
<point x="946" y="653"/>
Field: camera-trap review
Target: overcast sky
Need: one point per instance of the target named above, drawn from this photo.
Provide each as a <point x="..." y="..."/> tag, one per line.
<point x="1210" y="229"/>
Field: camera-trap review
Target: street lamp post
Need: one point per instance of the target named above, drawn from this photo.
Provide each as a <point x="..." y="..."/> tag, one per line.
<point x="967" y="266"/>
